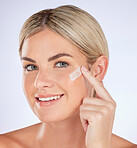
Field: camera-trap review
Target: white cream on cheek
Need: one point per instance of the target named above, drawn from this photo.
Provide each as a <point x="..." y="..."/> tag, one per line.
<point x="75" y="74"/>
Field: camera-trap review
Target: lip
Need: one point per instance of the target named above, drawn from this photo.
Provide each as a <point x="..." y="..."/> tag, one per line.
<point x="47" y="95"/>
<point x="48" y="103"/>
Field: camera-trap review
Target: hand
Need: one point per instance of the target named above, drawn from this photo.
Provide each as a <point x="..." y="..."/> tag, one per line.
<point x="97" y="115"/>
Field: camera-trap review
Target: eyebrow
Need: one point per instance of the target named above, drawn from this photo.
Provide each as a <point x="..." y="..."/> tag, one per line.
<point x="49" y="59"/>
<point x="28" y="59"/>
<point x="58" y="56"/>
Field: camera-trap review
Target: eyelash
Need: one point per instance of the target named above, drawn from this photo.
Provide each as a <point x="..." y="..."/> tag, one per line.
<point x="26" y="66"/>
<point x="66" y="63"/>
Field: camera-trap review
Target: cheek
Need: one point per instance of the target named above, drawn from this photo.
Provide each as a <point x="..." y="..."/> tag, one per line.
<point x="76" y="92"/>
<point x="76" y="88"/>
<point x="27" y="84"/>
<point x="59" y="74"/>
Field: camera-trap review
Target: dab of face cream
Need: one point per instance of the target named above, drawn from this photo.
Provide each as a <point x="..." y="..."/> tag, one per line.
<point x="74" y="75"/>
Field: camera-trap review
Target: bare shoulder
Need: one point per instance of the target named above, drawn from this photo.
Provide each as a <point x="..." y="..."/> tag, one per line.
<point x="118" y="142"/>
<point x="21" y="138"/>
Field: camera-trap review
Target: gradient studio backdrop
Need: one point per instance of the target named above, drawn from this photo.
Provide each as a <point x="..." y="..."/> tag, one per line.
<point x="119" y="22"/>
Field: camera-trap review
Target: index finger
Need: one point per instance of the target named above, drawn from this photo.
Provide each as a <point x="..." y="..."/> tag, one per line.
<point x="99" y="88"/>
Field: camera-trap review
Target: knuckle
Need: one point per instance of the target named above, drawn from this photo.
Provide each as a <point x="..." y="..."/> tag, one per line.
<point x="81" y="107"/>
<point x="105" y="110"/>
<point x="112" y="106"/>
<point x="99" y="116"/>
<point x="115" y="104"/>
<point x="85" y="100"/>
<point x="81" y="113"/>
<point x="91" y="118"/>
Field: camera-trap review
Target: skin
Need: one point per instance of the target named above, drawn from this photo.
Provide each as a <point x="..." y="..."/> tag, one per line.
<point x="79" y="120"/>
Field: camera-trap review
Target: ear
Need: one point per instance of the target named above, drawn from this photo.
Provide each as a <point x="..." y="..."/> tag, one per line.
<point x="99" y="68"/>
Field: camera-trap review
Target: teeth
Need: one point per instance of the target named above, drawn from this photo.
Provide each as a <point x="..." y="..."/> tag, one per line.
<point x="50" y="98"/>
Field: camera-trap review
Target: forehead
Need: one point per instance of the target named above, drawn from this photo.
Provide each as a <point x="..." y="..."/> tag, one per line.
<point x="48" y="43"/>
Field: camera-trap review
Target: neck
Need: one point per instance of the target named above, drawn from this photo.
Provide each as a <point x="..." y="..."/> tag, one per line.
<point x="64" y="134"/>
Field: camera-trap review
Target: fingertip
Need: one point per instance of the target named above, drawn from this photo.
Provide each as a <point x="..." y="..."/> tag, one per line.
<point x="86" y="72"/>
<point x="84" y="69"/>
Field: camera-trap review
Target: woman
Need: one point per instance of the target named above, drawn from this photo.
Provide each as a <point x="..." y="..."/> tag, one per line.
<point x="74" y="113"/>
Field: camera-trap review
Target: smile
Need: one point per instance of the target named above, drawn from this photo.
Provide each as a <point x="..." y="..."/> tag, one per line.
<point x="44" y="101"/>
<point x="50" y="98"/>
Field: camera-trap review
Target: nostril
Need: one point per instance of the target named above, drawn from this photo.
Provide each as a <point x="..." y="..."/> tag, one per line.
<point x="43" y="80"/>
<point x="43" y="84"/>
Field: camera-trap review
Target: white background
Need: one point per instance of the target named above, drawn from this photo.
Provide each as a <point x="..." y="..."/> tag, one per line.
<point x="118" y="19"/>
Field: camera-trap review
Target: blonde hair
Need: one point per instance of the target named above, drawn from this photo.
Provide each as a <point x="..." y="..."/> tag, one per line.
<point x="72" y="23"/>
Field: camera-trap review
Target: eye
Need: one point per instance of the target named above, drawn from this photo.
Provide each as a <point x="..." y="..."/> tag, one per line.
<point x="30" y="67"/>
<point x="61" y="64"/>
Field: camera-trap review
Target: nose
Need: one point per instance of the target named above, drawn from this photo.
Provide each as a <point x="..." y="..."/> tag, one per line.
<point x="43" y="80"/>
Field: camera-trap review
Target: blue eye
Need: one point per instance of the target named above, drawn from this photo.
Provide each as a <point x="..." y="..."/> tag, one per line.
<point x="61" y="64"/>
<point x="30" y="67"/>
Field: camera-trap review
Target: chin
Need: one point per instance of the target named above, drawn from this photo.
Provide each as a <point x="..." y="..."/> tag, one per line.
<point x="57" y="116"/>
<point x="49" y="116"/>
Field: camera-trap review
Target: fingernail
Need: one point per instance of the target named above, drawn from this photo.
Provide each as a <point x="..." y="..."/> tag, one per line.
<point x="84" y="68"/>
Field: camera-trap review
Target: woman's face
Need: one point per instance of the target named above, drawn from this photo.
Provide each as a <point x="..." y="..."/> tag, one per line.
<point x="48" y="60"/>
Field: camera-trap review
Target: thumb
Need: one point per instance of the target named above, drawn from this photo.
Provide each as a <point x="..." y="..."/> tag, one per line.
<point x="84" y="123"/>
